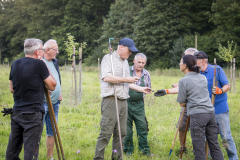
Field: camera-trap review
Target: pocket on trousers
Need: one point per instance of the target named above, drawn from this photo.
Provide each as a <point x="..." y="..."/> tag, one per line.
<point x="28" y="113"/>
<point x="196" y="133"/>
<point x="105" y="124"/>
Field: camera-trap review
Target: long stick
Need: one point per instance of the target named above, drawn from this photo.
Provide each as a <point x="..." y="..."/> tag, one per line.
<point x="177" y="130"/>
<point x="215" y="83"/>
<point x="54" y="125"/>
<point x="185" y="136"/>
<point x="115" y="95"/>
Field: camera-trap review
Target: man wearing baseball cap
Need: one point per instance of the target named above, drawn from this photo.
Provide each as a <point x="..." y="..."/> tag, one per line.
<point x="122" y="81"/>
<point x="220" y="105"/>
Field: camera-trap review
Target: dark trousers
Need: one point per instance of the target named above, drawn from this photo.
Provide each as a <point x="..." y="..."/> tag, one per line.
<point x="203" y="125"/>
<point x="26" y="128"/>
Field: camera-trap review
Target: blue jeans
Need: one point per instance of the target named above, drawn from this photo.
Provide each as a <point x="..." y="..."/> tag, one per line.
<point x="225" y="132"/>
<point x="47" y="119"/>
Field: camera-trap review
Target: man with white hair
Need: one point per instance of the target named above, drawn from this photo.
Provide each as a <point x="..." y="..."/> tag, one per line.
<point x="136" y="110"/>
<point x="51" y="50"/>
<point x="221" y="104"/>
<point x="189" y="51"/>
<point x="28" y="77"/>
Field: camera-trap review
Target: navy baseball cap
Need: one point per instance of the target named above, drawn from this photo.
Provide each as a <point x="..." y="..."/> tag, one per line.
<point x="200" y="55"/>
<point x="128" y="43"/>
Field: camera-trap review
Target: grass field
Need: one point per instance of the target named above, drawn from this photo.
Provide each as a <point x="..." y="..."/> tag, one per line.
<point x="79" y="125"/>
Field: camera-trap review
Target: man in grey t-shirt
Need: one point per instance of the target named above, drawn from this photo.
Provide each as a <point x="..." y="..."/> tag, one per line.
<point x="51" y="50"/>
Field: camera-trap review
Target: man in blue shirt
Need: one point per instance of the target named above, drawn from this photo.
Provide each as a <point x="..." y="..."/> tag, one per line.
<point x="221" y="105"/>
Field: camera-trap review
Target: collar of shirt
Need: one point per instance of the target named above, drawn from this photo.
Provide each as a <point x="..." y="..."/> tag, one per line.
<point x="116" y="55"/>
<point x="206" y="70"/>
<point x="190" y="73"/>
<point x="142" y="74"/>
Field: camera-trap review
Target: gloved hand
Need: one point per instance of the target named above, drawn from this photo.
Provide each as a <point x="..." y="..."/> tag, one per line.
<point x="216" y="90"/>
<point x="7" y="111"/>
<point x="161" y="92"/>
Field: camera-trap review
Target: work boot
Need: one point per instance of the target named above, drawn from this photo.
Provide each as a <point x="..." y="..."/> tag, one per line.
<point x="184" y="150"/>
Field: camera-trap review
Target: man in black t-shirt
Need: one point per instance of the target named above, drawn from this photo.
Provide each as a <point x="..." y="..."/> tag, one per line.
<point x="28" y="77"/>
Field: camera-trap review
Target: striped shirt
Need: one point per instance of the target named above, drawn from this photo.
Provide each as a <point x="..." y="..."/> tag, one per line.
<point x="121" y="69"/>
<point x="147" y="79"/>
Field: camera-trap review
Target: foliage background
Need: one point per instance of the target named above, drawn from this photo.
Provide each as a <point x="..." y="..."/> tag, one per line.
<point x="157" y="26"/>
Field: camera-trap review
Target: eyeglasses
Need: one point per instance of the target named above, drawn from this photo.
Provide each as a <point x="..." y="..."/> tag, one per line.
<point x="54" y="49"/>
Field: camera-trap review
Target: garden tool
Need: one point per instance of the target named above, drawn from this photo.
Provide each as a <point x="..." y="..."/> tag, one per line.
<point x="115" y="95"/>
<point x="54" y="125"/>
<point x="177" y="131"/>
<point x="215" y="83"/>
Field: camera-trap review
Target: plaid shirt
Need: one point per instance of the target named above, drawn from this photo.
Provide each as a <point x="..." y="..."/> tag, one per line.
<point x="121" y="69"/>
<point x="147" y="79"/>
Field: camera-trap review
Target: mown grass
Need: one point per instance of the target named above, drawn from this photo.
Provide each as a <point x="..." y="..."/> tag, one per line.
<point x="79" y="124"/>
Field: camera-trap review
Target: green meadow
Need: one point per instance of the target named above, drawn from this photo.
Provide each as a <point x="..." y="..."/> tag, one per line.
<point x="79" y="125"/>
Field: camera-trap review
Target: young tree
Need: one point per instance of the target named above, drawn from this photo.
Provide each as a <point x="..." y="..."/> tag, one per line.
<point x="227" y="54"/>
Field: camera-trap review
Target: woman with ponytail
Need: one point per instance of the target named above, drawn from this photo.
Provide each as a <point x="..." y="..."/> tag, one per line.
<point x="193" y="94"/>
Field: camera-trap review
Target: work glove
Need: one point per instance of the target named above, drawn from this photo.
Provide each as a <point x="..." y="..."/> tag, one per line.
<point x="7" y="111"/>
<point x="216" y="90"/>
<point x="161" y="92"/>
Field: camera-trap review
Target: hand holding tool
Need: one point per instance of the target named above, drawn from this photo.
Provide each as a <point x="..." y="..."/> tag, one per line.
<point x="161" y="92"/>
<point x="216" y="90"/>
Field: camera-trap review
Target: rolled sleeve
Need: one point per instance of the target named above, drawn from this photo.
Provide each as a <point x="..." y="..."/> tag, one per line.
<point x="182" y="93"/>
<point x="106" y="67"/>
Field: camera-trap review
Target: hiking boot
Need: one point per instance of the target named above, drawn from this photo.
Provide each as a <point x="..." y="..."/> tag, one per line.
<point x="184" y="150"/>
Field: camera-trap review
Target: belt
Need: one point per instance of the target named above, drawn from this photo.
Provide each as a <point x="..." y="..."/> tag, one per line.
<point x="113" y="97"/>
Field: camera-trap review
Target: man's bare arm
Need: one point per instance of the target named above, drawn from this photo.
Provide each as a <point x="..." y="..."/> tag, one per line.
<point x="173" y="90"/>
<point x="50" y="83"/>
<point x="11" y="86"/>
<point x="226" y="88"/>
<point x="139" y="88"/>
<point x="116" y="79"/>
<point x="182" y="104"/>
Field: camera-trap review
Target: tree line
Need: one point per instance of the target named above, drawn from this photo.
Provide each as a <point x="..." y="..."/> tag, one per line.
<point x="162" y="29"/>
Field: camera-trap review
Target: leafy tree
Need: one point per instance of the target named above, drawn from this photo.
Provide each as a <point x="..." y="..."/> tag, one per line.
<point x="156" y="28"/>
<point x="226" y="16"/>
<point x="12" y="29"/>
<point x="205" y="43"/>
<point x="176" y="52"/>
<point x="83" y="20"/>
<point x="195" y="16"/>
<point x="227" y="54"/>
<point x="119" y="23"/>
<point x="70" y="43"/>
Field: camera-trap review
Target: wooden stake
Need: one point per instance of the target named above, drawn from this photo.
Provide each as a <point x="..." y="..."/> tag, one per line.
<point x="99" y="71"/>
<point x="57" y="138"/>
<point x="65" y="67"/>
<point x="196" y="41"/>
<point x="234" y="87"/>
<point x="80" y="74"/>
<point x="75" y="77"/>
<point x="0" y="57"/>
<point x="231" y="77"/>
